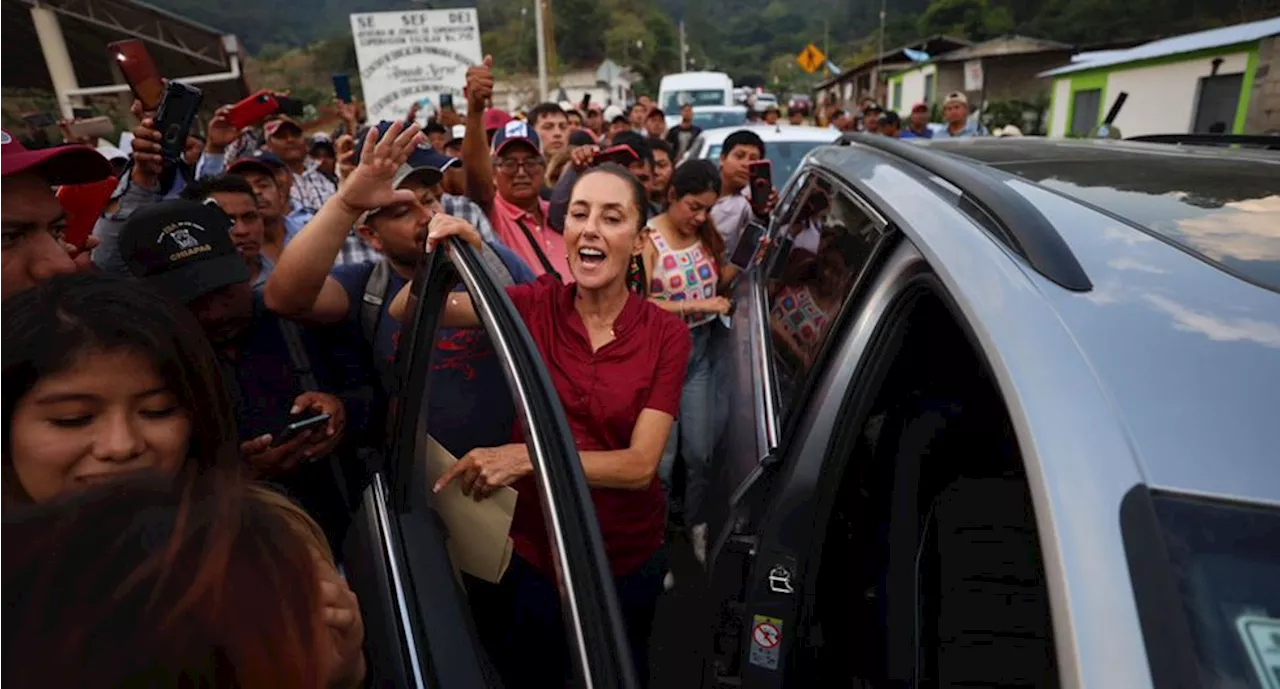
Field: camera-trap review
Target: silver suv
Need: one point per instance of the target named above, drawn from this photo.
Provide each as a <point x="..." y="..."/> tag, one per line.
<point x="1006" y="412"/>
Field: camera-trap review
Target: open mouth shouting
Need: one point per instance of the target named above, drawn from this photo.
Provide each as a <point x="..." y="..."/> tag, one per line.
<point x="590" y="258"/>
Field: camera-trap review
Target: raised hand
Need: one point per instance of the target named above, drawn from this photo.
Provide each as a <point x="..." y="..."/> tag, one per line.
<point x="148" y="162"/>
<point x="480" y="84"/>
<point x="369" y="186"/>
<point x="221" y="132"/>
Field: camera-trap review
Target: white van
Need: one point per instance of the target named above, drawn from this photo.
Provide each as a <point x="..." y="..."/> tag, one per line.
<point x="695" y="88"/>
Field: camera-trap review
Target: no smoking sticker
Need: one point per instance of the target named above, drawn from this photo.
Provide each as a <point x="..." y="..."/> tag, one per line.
<point x="1261" y="639"/>
<point x="766" y="639"/>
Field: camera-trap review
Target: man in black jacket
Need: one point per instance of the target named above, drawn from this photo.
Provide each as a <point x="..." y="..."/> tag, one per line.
<point x="684" y="133"/>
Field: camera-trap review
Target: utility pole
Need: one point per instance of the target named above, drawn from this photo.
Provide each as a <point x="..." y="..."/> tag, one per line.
<point x="875" y="88"/>
<point x="684" y="49"/>
<point x="541" y="37"/>
<point x="549" y="24"/>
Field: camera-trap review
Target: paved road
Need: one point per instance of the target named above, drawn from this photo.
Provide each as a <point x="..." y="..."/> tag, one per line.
<point x="680" y="631"/>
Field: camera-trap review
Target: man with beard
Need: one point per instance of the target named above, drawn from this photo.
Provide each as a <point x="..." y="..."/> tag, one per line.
<point x="469" y="413"/>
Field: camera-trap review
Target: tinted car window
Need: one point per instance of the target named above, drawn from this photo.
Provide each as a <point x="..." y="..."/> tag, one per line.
<point x="696" y="97"/>
<point x="715" y="120"/>
<point x="819" y="254"/>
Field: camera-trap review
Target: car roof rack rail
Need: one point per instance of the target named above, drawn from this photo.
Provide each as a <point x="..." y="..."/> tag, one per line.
<point x="1269" y="142"/>
<point x="1024" y="228"/>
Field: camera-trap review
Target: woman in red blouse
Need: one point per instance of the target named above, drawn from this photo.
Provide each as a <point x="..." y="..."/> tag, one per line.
<point x="618" y="363"/>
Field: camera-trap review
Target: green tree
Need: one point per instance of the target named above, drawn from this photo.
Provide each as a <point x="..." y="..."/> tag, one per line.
<point x="973" y="19"/>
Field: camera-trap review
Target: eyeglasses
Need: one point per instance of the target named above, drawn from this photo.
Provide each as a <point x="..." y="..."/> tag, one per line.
<point x="533" y="166"/>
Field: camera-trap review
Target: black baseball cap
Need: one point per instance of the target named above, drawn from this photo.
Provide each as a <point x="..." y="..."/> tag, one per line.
<point x="260" y="159"/>
<point x="183" y="248"/>
<point x="580" y="137"/>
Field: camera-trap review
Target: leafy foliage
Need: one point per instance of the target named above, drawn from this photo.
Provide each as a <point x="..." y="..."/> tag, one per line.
<point x="755" y="41"/>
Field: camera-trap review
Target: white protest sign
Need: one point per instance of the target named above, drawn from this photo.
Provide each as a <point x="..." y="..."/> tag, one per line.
<point x="414" y="56"/>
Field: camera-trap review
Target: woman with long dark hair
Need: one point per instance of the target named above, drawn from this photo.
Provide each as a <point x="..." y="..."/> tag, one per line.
<point x="102" y="377"/>
<point x="684" y="258"/>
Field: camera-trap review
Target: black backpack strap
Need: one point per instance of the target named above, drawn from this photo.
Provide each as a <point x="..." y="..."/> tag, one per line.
<point x="546" y="264"/>
<point x="302" y="371"/>
<point x="375" y="293"/>
<point x="306" y="379"/>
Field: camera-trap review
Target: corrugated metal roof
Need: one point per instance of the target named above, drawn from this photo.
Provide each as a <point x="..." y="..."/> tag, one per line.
<point x="1011" y="44"/>
<point x="1186" y="43"/>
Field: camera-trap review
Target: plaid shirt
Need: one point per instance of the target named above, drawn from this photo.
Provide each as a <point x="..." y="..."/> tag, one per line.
<point x="311" y="189"/>
<point x="355" y="250"/>
<point x="464" y="208"/>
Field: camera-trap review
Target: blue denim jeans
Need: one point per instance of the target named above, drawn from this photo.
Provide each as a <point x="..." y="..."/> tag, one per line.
<point x="694" y="432"/>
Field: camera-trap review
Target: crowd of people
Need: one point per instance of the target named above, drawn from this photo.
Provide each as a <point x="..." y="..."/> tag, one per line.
<point x="161" y="522"/>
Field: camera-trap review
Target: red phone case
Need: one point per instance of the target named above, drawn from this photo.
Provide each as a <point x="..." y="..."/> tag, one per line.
<point x="622" y="155"/>
<point x="253" y="109"/>
<point x="83" y="204"/>
<point x="139" y="71"/>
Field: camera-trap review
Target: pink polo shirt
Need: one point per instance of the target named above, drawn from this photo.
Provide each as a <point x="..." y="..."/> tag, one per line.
<point x="506" y="219"/>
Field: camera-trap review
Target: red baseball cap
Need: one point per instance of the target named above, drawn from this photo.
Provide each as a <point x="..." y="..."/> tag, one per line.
<point x="495" y="119"/>
<point x="920" y="107"/>
<point x="74" y="164"/>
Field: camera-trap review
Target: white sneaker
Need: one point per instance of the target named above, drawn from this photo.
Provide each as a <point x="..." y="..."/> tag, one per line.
<point x="698" y="539"/>
<point x="668" y="582"/>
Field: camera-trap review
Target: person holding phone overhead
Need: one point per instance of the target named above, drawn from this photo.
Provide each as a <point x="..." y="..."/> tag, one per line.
<point x="684" y="259"/>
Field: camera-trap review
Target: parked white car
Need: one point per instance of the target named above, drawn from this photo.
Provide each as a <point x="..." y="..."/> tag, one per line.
<point x="785" y="145"/>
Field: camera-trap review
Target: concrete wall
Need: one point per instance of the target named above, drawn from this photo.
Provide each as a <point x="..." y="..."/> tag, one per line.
<point x="1014" y="77"/>
<point x="1164" y="93"/>
<point x="1162" y="98"/>
<point x="1263" y="115"/>
<point x="1059" y="112"/>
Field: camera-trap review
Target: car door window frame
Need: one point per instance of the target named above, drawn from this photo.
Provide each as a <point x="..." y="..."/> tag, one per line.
<point x="595" y="631"/>
<point x="785" y="415"/>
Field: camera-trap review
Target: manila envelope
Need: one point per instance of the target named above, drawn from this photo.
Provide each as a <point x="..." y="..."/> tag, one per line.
<point x="479" y="532"/>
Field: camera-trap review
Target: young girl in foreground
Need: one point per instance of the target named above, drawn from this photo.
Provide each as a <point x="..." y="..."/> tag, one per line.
<point x="101" y="380"/>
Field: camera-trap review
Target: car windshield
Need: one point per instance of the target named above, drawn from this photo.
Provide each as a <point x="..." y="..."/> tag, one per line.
<point x="1224" y="208"/>
<point x="1225" y="567"/>
<point x="694" y="97"/>
<point x="719" y="118"/>
<point x="785" y="156"/>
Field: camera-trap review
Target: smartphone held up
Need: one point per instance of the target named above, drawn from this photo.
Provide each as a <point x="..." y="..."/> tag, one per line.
<point x="761" y="173"/>
<point x="176" y="114"/>
<point x="139" y="71"/>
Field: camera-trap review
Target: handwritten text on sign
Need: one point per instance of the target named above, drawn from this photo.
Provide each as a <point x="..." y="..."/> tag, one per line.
<point x="408" y="57"/>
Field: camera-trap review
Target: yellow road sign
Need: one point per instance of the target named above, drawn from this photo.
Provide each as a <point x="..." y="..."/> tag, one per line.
<point x="811" y="58"/>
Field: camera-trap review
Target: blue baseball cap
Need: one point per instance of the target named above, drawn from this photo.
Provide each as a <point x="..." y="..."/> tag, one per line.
<point x="428" y="157"/>
<point x="424" y="157"/>
<point x="515" y="131"/>
<point x="261" y="160"/>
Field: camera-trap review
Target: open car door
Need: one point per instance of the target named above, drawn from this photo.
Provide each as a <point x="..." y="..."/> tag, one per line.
<point x="418" y="623"/>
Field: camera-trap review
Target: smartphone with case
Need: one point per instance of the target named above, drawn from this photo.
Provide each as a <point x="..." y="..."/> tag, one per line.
<point x="761" y="172"/>
<point x="342" y="87"/>
<point x="176" y="114"/>
<point x="83" y="204"/>
<point x="253" y="109"/>
<point x="297" y="426"/>
<point x="139" y="71"/>
<point x="622" y="155"/>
